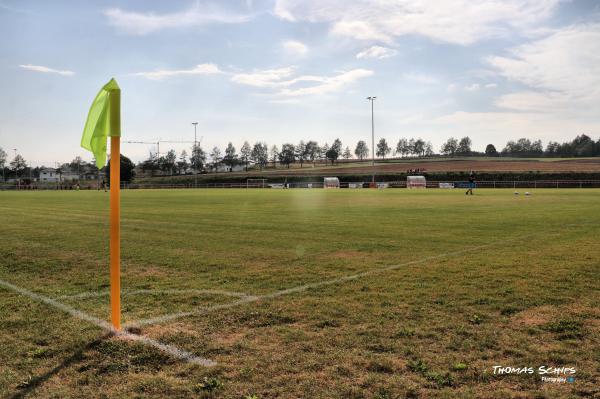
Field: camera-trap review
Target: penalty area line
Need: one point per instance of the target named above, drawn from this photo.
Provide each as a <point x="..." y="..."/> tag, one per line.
<point x="168" y="349"/>
<point x="306" y="287"/>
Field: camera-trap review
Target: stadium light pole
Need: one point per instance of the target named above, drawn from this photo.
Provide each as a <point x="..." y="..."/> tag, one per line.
<point x="194" y="149"/>
<point x="372" y="100"/>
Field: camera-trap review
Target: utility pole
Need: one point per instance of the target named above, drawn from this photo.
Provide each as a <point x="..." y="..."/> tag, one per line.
<point x="194" y="149"/>
<point x="372" y="100"/>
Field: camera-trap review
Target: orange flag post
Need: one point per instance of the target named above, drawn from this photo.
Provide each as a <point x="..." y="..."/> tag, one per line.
<point x="115" y="231"/>
<point x="103" y="121"/>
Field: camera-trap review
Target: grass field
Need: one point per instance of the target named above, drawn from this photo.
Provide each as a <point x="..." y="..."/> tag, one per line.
<point x="303" y="293"/>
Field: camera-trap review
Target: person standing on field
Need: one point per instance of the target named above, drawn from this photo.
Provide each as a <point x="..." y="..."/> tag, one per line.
<point x="471" y="183"/>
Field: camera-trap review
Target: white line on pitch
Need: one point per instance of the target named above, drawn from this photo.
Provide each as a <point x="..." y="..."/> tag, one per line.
<point x="98" y="294"/>
<point x="169" y="349"/>
<point x="305" y="287"/>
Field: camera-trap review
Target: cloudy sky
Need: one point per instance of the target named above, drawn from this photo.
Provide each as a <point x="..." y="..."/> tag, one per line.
<point x="284" y="70"/>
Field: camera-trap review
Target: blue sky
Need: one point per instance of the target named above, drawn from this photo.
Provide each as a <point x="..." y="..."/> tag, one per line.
<point x="285" y="70"/>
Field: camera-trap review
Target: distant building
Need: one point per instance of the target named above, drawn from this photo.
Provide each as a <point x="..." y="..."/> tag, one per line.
<point x="49" y="175"/>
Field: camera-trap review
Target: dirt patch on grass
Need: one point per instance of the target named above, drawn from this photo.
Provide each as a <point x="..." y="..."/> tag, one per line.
<point x="535" y="316"/>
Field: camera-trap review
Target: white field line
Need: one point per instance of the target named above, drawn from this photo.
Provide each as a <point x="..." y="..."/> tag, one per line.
<point x="169" y="349"/>
<point x="305" y="287"/>
<point x="98" y="294"/>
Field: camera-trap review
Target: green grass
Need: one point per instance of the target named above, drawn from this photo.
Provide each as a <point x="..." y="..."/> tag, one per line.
<point x="436" y="328"/>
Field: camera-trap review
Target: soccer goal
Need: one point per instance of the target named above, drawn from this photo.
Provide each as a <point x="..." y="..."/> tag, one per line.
<point x="256" y="183"/>
<point x="416" y="182"/>
<point x="331" y="182"/>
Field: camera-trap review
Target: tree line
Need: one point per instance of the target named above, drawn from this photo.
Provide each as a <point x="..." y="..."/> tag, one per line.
<point x="310" y="152"/>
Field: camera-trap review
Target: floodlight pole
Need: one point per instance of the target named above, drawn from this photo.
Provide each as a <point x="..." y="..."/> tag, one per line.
<point x="372" y="99"/>
<point x="194" y="149"/>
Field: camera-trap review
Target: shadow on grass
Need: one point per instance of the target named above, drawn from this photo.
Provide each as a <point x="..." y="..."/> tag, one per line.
<point x="35" y="382"/>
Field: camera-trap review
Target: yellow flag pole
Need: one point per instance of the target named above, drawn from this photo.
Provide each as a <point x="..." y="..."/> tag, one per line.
<point x="115" y="231"/>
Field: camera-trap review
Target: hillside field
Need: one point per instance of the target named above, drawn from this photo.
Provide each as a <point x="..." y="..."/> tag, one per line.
<point x="301" y="294"/>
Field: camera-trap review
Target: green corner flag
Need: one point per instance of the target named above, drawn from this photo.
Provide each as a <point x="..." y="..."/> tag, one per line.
<point x="104" y="120"/>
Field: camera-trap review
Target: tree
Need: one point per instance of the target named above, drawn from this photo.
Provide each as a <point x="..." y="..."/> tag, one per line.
<point x="182" y="164"/>
<point x="127" y="171"/>
<point x="402" y="147"/>
<point x="260" y="154"/>
<point x="274" y="155"/>
<point x="464" y="146"/>
<point x="150" y="164"/>
<point x="245" y="153"/>
<point x="419" y="147"/>
<point x="490" y="151"/>
<point x="198" y="158"/>
<point x="18" y="165"/>
<point x="332" y="155"/>
<point x="334" y="152"/>
<point x="411" y="146"/>
<point x="230" y="158"/>
<point x="429" y="149"/>
<point x="337" y="146"/>
<point x="168" y="161"/>
<point x="216" y="158"/>
<point x="312" y="151"/>
<point x="76" y="165"/>
<point x="450" y="147"/>
<point x="287" y="155"/>
<point x="361" y="150"/>
<point x="301" y="152"/>
<point x="347" y="154"/>
<point x="2" y="162"/>
<point x="523" y="147"/>
<point x="323" y="151"/>
<point x="382" y="148"/>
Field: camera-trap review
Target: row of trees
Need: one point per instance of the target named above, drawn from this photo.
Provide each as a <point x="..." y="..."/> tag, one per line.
<point x="311" y="152"/>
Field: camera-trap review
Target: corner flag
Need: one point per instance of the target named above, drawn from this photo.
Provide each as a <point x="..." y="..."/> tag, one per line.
<point x="103" y="121"/>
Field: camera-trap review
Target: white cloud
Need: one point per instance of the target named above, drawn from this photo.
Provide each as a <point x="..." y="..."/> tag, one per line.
<point x="377" y="52"/>
<point x="288" y="85"/>
<point x="473" y="87"/>
<point x="562" y="72"/>
<point x="264" y="78"/>
<point x="295" y="47"/>
<point x="142" y="23"/>
<point x="459" y="21"/>
<point x="327" y="84"/>
<point x="491" y="86"/>
<point x="43" y="69"/>
<point x="200" y="69"/>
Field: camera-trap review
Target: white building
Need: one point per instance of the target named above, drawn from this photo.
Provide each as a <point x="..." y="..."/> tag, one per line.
<point x="49" y="175"/>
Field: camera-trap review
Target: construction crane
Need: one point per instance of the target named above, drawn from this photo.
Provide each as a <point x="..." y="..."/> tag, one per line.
<point x="156" y="143"/>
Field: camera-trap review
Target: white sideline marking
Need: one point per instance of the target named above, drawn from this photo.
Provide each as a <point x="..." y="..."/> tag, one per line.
<point x="305" y="287"/>
<point x="169" y="349"/>
<point x="98" y="294"/>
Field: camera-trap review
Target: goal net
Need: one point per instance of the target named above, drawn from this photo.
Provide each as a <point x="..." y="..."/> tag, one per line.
<point x="416" y="182"/>
<point x="256" y="183"/>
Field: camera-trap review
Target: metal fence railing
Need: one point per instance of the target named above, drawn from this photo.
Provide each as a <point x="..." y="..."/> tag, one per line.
<point x="513" y="184"/>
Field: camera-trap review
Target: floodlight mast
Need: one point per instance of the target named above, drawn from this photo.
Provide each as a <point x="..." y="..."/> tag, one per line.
<point x="372" y="99"/>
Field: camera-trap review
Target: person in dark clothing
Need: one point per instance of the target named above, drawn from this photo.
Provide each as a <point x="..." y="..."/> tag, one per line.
<point x="471" y="183"/>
